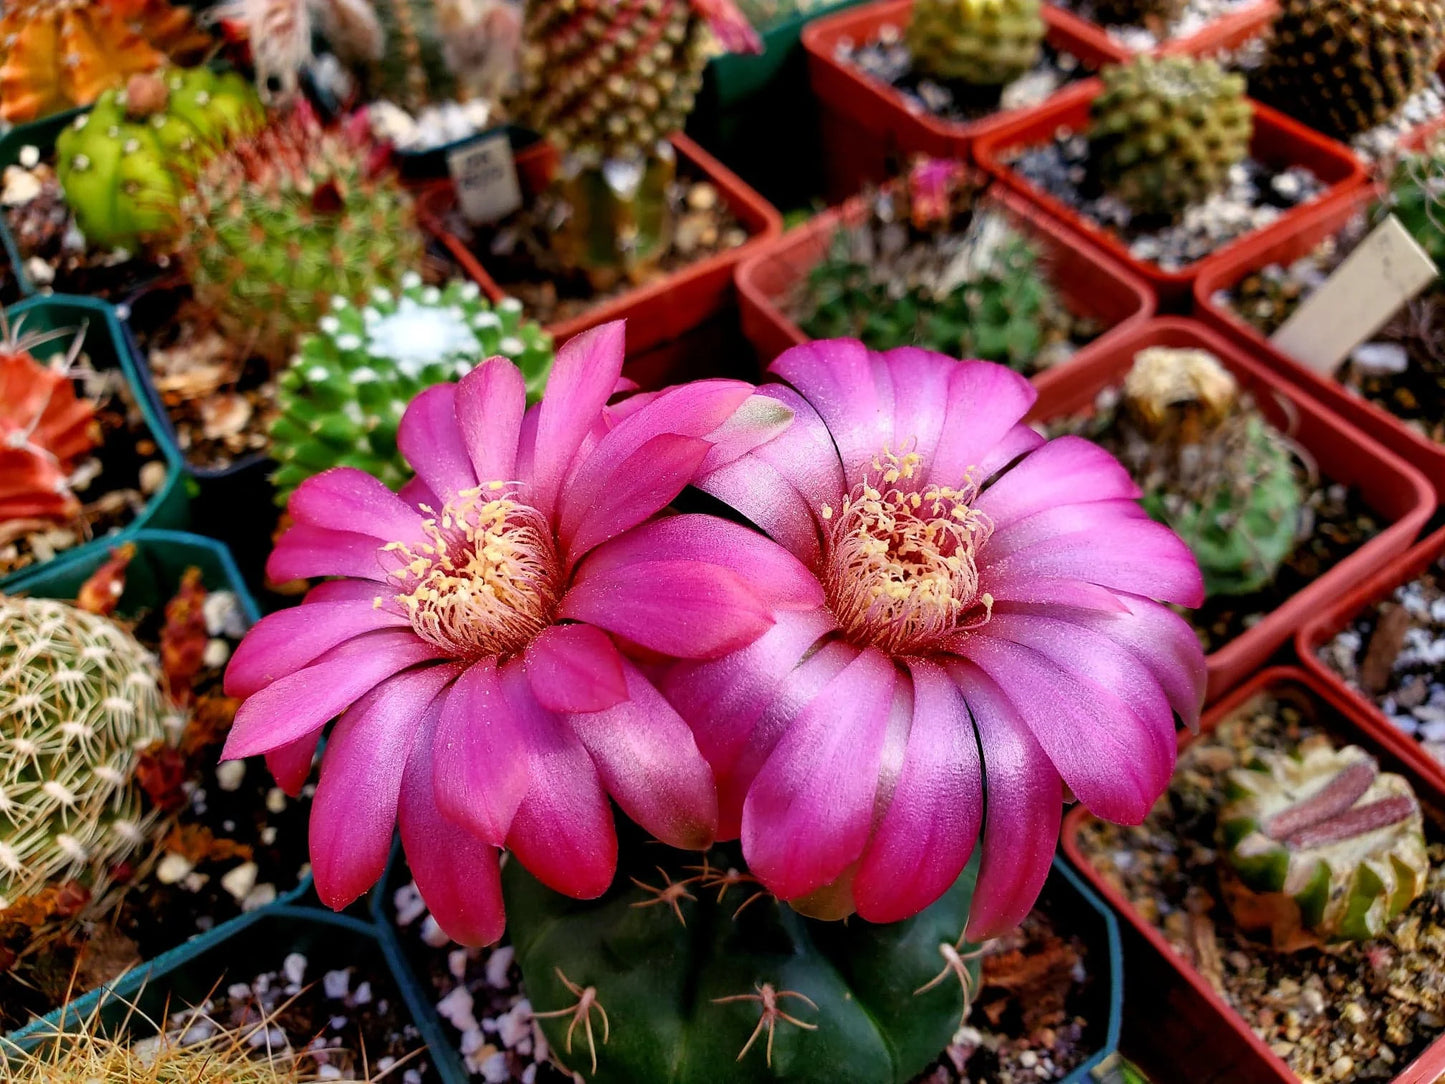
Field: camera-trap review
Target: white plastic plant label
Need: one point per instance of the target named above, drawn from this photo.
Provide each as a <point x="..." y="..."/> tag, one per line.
<point x="1383" y="274"/>
<point x="486" y="178"/>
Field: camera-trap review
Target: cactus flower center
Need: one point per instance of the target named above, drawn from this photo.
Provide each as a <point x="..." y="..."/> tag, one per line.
<point x="488" y="578"/>
<point x="900" y="563"/>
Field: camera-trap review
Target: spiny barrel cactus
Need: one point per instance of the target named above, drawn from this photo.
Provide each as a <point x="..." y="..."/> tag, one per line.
<point x="80" y="698"/>
<point x="1326" y="832"/>
<point x="1343" y="66"/>
<point x="123" y="165"/>
<point x="1218" y="474"/>
<point x="56" y="54"/>
<point x="434" y="51"/>
<point x="987" y="43"/>
<point x="277" y="225"/>
<point x="1165" y="131"/>
<point x="686" y="970"/>
<point x="344" y="394"/>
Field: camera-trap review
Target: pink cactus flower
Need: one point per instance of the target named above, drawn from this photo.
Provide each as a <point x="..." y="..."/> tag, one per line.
<point x="987" y="644"/>
<point x="470" y="642"/>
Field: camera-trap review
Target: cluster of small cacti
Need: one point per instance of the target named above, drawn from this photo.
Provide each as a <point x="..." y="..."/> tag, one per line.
<point x="1137" y="12"/>
<point x="56" y="54"/>
<point x="1322" y="840"/>
<point x="277" y="225"/>
<point x="124" y="164"/>
<point x="1164" y="132"/>
<point x="1343" y="66"/>
<point x="81" y="698"/>
<point x="1212" y="468"/>
<point x="985" y="43"/>
<point x="345" y="392"/>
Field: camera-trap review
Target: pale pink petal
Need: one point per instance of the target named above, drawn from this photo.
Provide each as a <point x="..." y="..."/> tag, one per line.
<point x="283" y="642"/>
<point x="768" y="498"/>
<point x="353" y="813"/>
<point x="1096" y="517"/>
<point x="458" y="875"/>
<point x="1069" y="470"/>
<point x="350" y="500"/>
<point x="932" y="821"/>
<point x="481" y="754"/>
<point x="836" y="377"/>
<point x="303" y="552"/>
<point x="648" y="761"/>
<point x="985" y="401"/>
<point x="491" y="400"/>
<point x="430" y="439"/>
<point x="291" y="764"/>
<point x="1018" y="441"/>
<point x="1074" y="594"/>
<point x="307" y="700"/>
<point x="350" y="591"/>
<point x="809" y="811"/>
<point x="575" y="668"/>
<point x="679" y="608"/>
<point x="761" y="418"/>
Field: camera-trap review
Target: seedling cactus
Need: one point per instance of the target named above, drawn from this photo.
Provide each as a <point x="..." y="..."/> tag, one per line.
<point x="1323" y="835"/>
<point x="344" y="394"/>
<point x="987" y="43"/>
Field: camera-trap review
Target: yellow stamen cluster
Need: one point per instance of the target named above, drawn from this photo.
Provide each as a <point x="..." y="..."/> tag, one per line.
<point x="488" y="579"/>
<point x="900" y="565"/>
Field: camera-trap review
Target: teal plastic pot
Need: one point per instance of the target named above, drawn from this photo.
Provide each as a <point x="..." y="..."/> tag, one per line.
<point x="105" y="347"/>
<point x="42" y="135"/>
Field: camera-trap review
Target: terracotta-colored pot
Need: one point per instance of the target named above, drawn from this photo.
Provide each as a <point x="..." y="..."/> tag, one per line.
<point x="1315" y="225"/>
<point x="868" y="126"/>
<point x="1091" y="282"/>
<point x="1395" y="491"/>
<point x="1187" y="1026"/>
<point x="666" y="313"/>
<point x="1278" y="142"/>
<point x="1229" y="31"/>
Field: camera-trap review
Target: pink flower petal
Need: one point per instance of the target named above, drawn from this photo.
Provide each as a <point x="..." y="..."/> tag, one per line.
<point x="283" y="642"/>
<point x="680" y="608"/>
<point x="932" y="821"/>
<point x="761" y="418"/>
<point x="920" y="380"/>
<point x="835" y="376"/>
<point x="1095" y="517"/>
<point x="985" y="401"/>
<point x="809" y="811"/>
<point x="351" y="591"/>
<point x="430" y="439"/>
<point x="648" y="761"/>
<point x="1018" y="441"/>
<point x="307" y="700"/>
<point x="1072" y="594"/>
<point x="1023" y="805"/>
<point x="291" y="764"/>
<point x="457" y="874"/>
<point x="766" y="496"/>
<point x="350" y="500"/>
<point x="417" y="493"/>
<point x="353" y="813"/>
<point x="1069" y="470"/>
<point x="304" y="551"/>
<point x="491" y="400"/>
<point x="480" y="753"/>
<point x="575" y="668"/>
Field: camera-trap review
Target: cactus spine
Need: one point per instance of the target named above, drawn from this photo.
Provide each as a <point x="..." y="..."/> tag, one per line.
<point x="987" y="43"/>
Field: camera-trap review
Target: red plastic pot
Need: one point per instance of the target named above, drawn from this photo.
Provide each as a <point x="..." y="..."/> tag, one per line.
<point x="1278" y="141"/>
<point x="1315" y="225"/>
<point x="664" y="318"/>
<point x="1091" y="282"/>
<point x="1395" y="491"/>
<point x="1227" y="32"/>
<point x="867" y="125"/>
<point x="1218" y="1044"/>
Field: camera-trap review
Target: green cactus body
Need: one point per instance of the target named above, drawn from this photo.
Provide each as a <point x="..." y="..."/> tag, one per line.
<point x="1328" y="831"/>
<point x="1165" y="131"/>
<point x="412" y="70"/>
<point x="350" y="382"/>
<point x="619" y="220"/>
<point x="79" y="698"/>
<point x="1417" y="198"/>
<point x="277" y="226"/>
<point x="987" y="43"/>
<point x="683" y="1001"/>
<point x="123" y="165"/>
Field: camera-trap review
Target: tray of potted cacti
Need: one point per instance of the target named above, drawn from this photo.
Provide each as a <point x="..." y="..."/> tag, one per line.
<point x="1287" y="891"/>
<point x="1282" y="503"/>
<point x="124" y="838"/>
<point x="1189" y="27"/>
<point x="940" y="259"/>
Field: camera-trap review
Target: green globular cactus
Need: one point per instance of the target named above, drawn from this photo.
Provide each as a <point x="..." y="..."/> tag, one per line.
<point x="1417" y="197"/>
<point x="1325" y="832"/>
<point x="278" y="225"/>
<point x="345" y="392"/>
<point x="123" y="166"/>
<point x="1165" y="131"/>
<point x="986" y="43"/>
<point x="80" y="698"/>
<point x="686" y="971"/>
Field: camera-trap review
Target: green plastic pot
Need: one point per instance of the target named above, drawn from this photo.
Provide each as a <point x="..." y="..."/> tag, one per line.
<point x="42" y="135"/>
<point x="105" y="346"/>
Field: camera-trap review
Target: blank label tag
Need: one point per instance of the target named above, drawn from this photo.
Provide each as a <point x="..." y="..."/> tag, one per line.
<point x="1386" y="270"/>
<point x="486" y="178"/>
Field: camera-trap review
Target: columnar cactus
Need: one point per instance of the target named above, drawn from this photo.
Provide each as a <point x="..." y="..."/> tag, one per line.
<point x="1325" y="832"/>
<point x="987" y="43"/>
<point x="1165" y="132"/>
<point x="279" y="224"/>
<point x="124" y="164"/>
<point x="345" y="392"/>
<point x="80" y="698"/>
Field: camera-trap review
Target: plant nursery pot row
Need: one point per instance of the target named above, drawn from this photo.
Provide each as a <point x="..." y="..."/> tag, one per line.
<point x="1231" y="30"/>
<point x="667" y="319"/>
<point x="1186" y="1030"/>
<point x="1392" y="489"/>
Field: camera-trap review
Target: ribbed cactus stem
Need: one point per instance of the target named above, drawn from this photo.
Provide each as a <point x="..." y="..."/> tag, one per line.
<point x="987" y="43"/>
